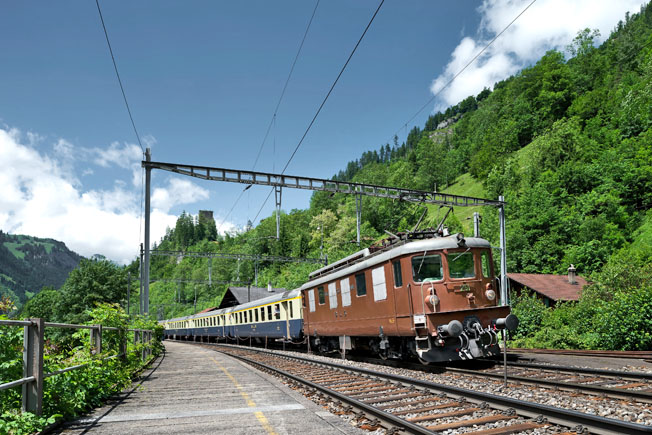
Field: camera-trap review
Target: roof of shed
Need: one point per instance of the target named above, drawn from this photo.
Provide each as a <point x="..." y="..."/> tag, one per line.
<point x="555" y="287"/>
<point x="242" y="295"/>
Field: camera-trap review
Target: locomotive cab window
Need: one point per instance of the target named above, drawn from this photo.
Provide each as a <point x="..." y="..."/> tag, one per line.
<point x="398" y="278"/>
<point x="427" y="268"/>
<point x="486" y="264"/>
<point x="460" y="265"/>
<point x="321" y="295"/>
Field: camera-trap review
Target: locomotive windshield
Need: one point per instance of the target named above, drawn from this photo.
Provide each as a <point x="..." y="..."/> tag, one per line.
<point x="427" y="268"/>
<point x="460" y="265"/>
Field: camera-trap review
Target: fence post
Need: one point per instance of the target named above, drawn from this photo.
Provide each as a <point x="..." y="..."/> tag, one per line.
<point x="33" y="366"/>
<point x="96" y="340"/>
<point x="123" y="344"/>
<point x="143" y="353"/>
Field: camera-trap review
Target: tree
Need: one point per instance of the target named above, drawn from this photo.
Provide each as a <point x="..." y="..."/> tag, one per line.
<point x="94" y="281"/>
<point x="43" y="305"/>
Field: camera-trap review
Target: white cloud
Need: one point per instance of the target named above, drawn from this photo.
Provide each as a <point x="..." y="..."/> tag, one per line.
<point x="179" y="191"/>
<point x="547" y="24"/>
<point x="126" y="156"/>
<point x="39" y="198"/>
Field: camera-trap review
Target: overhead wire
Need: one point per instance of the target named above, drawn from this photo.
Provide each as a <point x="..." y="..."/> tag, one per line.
<point x="115" y="67"/>
<point x="278" y="104"/>
<point x="321" y="106"/>
<point x="436" y="94"/>
<point x="131" y="118"/>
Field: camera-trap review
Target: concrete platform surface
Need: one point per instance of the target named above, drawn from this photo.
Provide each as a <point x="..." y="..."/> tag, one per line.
<point x="192" y="390"/>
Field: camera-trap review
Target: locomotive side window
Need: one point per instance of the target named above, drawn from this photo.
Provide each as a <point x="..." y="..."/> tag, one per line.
<point x="378" y="283"/>
<point x="332" y="295"/>
<point x="486" y="269"/>
<point x="398" y="278"/>
<point x="322" y="296"/>
<point x="360" y="284"/>
<point x="346" y="292"/>
<point x="311" y="300"/>
<point x="460" y="265"/>
<point x="427" y="268"/>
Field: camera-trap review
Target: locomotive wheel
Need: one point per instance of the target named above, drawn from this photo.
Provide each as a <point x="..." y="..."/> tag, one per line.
<point x="384" y="354"/>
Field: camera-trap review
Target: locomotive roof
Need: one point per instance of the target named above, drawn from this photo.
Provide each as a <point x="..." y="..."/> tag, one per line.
<point x="368" y="259"/>
<point x="263" y="301"/>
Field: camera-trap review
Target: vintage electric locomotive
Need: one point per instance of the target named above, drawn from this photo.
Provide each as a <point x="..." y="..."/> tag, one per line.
<point x="419" y="294"/>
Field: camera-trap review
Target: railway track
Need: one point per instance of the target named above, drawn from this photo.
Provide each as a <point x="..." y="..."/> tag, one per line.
<point x="633" y="386"/>
<point x="402" y="404"/>
<point x="631" y="354"/>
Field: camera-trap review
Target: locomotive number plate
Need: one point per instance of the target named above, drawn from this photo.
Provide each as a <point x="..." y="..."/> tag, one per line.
<point x="464" y="288"/>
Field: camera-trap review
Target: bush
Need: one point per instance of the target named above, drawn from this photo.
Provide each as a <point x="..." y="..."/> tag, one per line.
<point x="530" y="311"/>
<point x="72" y="393"/>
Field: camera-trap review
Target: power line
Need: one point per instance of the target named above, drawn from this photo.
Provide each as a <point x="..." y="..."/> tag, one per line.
<point x="278" y="104"/>
<point x="324" y="101"/>
<point x="296" y="57"/>
<point x="115" y="66"/>
<point x="463" y="69"/>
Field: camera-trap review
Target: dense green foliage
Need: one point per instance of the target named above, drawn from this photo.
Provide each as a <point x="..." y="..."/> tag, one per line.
<point x="27" y="264"/>
<point x="567" y="141"/>
<point x="72" y="393"/>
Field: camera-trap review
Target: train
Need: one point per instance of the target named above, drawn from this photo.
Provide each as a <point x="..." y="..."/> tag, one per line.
<point x="426" y="295"/>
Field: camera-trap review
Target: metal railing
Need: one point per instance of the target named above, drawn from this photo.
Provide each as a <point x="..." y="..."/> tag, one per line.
<point x="33" y="346"/>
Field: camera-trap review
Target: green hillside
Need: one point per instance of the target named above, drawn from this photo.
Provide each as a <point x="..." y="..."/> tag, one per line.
<point x="27" y="264"/>
<point x="567" y="142"/>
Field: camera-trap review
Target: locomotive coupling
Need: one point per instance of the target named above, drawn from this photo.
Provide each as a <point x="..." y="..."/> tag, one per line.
<point x="453" y="329"/>
<point x="510" y="322"/>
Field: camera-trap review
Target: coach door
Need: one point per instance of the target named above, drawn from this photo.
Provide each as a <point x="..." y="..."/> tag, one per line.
<point x="286" y="309"/>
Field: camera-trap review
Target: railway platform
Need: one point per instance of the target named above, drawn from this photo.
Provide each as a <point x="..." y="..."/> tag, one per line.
<point x="191" y="390"/>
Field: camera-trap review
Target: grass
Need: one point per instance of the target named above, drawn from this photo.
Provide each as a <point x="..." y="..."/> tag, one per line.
<point x="13" y="248"/>
<point x="21" y="240"/>
<point x="464" y="186"/>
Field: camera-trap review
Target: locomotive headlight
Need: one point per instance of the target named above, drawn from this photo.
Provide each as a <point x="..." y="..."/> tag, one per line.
<point x="490" y="294"/>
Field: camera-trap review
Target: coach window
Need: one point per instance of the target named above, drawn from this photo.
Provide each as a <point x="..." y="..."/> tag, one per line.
<point x="322" y="296"/>
<point x="398" y="278"/>
<point x="256" y="315"/>
<point x="269" y="312"/>
<point x="460" y="265"/>
<point x="360" y="284"/>
<point x="277" y="311"/>
<point x="427" y="268"/>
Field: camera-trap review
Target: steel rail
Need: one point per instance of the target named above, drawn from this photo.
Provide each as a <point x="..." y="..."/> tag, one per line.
<point x="368" y="409"/>
<point x="588" y="388"/>
<point x="561" y="416"/>
<point x="590" y="371"/>
<point x="631" y="354"/>
<point x="619" y="393"/>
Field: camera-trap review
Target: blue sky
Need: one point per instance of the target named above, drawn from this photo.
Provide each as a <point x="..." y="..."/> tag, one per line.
<point x="203" y="78"/>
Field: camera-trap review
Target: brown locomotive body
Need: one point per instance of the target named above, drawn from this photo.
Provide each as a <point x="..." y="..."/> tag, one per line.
<point x="434" y="298"/>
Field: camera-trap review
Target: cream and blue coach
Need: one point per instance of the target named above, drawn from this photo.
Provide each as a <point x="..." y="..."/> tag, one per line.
<point x="276" y="316"/>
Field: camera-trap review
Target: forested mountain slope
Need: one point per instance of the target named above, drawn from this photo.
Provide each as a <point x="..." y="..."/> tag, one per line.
<point x="567" y="141"/>
<point x="27" y="264"/>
